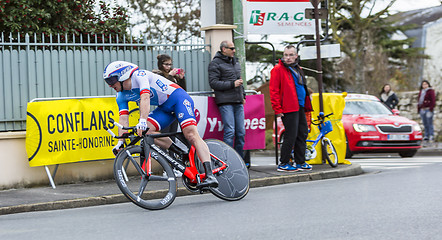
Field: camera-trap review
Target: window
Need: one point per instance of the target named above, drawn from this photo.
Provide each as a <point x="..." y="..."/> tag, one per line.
<point x="365" y="107"/>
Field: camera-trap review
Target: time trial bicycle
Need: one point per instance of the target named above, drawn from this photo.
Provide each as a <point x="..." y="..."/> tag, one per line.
<point x="144" y="173"/>
<point x="327" y="146"/>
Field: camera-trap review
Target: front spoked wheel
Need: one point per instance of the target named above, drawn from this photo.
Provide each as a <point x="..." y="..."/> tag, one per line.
<point x="148" y="182"/>
<point x="234" y="181"/>
<point x="310" y="152"/>
<point x="330" y="151"/>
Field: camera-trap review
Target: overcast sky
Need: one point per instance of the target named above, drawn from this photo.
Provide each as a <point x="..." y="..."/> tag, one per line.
<point x="406" y="5"/>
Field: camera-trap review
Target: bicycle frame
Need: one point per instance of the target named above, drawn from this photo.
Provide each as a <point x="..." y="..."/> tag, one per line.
<point x="149" y="147"/>
<point x="191" y="172"/>
<point x="318" y="138"/>
<point x="324" y="128"/>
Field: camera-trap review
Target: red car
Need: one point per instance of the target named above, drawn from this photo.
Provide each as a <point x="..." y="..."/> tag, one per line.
<point x="370" y="126"/>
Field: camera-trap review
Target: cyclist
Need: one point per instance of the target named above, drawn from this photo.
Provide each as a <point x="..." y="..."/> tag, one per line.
<point x="146" y="88"/>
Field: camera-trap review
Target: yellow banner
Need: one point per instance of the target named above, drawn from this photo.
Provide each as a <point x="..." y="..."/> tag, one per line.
<point x="333" y="103"/>
<point x="71" y="130"/>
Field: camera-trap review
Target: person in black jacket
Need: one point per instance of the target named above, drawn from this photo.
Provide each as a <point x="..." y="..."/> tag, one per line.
<point x="388" y="97"/>
<point x="225" y="80"/>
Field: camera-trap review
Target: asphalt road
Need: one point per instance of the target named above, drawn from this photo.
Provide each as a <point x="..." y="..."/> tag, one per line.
<point x="401" y="202"/>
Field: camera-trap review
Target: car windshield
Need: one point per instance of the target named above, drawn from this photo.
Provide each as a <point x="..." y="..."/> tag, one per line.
<point x="365" y="107"/>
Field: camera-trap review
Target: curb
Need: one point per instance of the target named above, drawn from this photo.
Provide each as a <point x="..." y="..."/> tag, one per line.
<point x="352" y="170"/>
<point x="435" y="150"/>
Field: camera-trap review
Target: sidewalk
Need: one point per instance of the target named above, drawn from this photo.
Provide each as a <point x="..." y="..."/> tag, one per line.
<point x="430" y="149"/>
<point x="262" y="173"/>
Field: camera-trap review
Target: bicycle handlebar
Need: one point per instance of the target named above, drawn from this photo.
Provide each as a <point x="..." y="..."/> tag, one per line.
<point x="121" y="126"/>
<point x="124" y="135"/>
<point x="327" y="115"/>
<point x="110" y="132"/>
<point x="321" y="118"/>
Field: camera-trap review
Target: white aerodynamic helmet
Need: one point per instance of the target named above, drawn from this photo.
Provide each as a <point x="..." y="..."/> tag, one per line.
<point x="118" y="71"/>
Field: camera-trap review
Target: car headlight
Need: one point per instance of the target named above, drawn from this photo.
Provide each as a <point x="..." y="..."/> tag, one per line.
<point x="364" y="128"/>
<point x="417" y="128"/>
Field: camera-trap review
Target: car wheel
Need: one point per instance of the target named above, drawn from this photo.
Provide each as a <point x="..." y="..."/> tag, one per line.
<point x="408" y="153"/>
<point x="348" y="153"/>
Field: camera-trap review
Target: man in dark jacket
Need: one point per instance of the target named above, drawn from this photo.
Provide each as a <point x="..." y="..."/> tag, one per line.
<point x="290" y="100"/>
<point x="225" y="80"/>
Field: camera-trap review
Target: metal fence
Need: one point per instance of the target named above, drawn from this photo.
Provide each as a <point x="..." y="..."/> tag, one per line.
<point x="61" y="66"/>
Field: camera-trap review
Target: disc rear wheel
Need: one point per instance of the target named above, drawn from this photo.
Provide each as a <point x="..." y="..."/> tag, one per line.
<point x="234" y="180"/>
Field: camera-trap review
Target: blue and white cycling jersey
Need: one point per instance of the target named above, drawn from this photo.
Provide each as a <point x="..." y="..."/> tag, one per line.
<point x="144" y="81"/>
<point x="172" y="101"/>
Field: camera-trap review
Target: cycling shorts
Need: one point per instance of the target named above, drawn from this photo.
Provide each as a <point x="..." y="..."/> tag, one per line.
<point x="179" y="106"/>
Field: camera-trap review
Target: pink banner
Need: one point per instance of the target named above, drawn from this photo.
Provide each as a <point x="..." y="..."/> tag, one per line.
<point x="210" y="124"/>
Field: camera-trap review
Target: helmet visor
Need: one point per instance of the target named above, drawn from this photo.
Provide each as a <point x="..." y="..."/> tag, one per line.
<point x="111" y="80"/>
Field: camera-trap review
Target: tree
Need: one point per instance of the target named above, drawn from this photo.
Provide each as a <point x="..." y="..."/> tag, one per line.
<point x="264" y="56"/>
<point x="169" y="21"/>
<point x="372" y="57"/>
<point x="355" y="35"/>
<point x="258" y="53"/>
<point x="62" y="17"/>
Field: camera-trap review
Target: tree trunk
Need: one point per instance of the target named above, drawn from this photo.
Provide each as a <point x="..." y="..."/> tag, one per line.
<point x="359" y="71"/>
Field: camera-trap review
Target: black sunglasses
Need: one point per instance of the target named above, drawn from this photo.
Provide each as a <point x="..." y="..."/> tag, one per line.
<point x="111" y="80"/>
<point x="231" y="48"/>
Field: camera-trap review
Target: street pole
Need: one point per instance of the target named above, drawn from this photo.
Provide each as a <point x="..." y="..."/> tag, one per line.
<point x="238" y="38"/>
<point x="319" y="64"/>
<point x="318" y="54"/>
<point x="276" y="118"/>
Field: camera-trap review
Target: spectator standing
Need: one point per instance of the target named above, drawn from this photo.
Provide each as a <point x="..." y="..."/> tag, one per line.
<point x="388" y="97"/>
<point x="290" y="100"/>
<point x="225" y="80"/>
<point x="425" y="106"/>
<point x="176" y="75"/>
